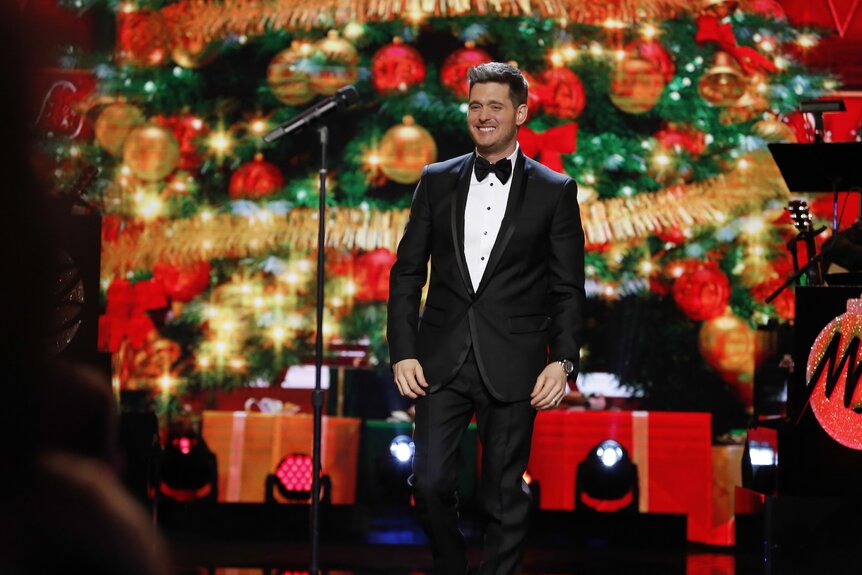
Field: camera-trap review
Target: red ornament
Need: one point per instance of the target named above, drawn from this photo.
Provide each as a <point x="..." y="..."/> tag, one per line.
<point x="654" y="53"/>
<point x="453" y="73"/>
<point x="396" y="67"/>
<point x="255" y="179"/>
<point x="183" y="283"/>
<point x="702" y="293"/>
<point x="142" y="38"/>
<point x="535" y="91"/>
<point x="564" y="95"/>
<point x="371" y="275"/>
<point x="677" y="137"/>
<point x="189" y="129"/>
<point x="829" y="374"/>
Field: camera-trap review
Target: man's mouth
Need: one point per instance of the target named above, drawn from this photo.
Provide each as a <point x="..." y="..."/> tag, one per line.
<point x="486" y="129"/>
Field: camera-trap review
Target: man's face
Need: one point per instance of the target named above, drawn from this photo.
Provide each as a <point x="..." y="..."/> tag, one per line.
<point x="493" y="120"/>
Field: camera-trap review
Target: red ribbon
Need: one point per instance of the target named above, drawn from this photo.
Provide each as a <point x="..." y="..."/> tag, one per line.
<point x="125" y="317"/>
<point x="549" y="145"/>
<point x="710" y="29"/>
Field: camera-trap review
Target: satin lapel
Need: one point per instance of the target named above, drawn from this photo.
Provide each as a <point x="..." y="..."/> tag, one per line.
<point x="459" y="204"/>
<point x="507" y="226"/>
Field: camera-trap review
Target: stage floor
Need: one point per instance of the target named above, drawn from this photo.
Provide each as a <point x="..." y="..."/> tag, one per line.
<point x="234" y="539"/>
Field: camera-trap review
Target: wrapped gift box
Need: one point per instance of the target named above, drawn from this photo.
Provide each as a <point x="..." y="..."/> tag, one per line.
<point x="249" y="446"/>
<point x="673" y="452"/>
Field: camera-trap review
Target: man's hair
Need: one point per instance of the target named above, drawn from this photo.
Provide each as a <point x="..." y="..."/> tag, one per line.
<point x="500" y="73"/>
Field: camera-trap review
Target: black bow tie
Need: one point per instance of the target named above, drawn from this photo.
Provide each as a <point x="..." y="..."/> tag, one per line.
<point x="501" y="169"/>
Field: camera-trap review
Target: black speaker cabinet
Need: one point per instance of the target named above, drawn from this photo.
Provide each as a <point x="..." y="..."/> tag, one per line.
<point x="811" y="461"/>
<point x="74" y="328"/>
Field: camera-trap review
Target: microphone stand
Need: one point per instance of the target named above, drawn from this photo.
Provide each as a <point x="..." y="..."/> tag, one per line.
<point x="317" y="394"/>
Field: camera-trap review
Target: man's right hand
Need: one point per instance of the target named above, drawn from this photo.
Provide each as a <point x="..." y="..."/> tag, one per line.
<point x="409" y="378"/>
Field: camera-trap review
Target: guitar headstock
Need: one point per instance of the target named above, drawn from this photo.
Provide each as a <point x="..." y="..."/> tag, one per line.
<point x="800" y="214"/>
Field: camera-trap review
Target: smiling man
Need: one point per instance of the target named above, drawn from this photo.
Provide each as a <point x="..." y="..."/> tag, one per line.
<point x="500" y="333"/>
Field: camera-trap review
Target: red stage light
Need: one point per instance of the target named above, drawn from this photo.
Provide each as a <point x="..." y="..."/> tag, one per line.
<point x="184" y="444"/>
<point x="294" y="474"/>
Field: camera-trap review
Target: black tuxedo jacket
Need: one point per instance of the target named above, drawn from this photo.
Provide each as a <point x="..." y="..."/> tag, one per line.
<point x="528" y="308"/>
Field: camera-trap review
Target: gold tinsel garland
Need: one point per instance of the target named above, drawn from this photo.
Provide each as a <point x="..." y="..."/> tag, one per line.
<point x="218" y="19"/>
<point x="622" y="220"/>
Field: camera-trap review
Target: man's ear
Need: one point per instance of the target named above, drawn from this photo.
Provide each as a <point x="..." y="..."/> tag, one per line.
<point x="521" y="114"/>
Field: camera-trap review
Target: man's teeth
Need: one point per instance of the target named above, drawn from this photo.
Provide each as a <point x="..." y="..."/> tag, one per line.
<point x="486" y="129"/>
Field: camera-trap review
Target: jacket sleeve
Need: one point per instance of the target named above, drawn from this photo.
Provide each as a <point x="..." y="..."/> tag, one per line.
<point x="408" y="276"/>
<point x="566" y="287"/>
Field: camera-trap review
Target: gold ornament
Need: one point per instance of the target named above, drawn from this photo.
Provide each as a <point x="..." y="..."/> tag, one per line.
<point x="774" y="130"/>
<point x="115" y="123"/>
<point x="151" y="152"/>
<point x="752" y="104"/>
<point x="404" y="150"/>
<point x="341" y="66"/>
<point x="636" y="84"/>
<point x="723" y="84"/>
<point x="287" y="75"/>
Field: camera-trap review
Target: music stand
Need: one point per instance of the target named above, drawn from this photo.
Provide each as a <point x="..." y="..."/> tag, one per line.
<point x="821" y="168"/>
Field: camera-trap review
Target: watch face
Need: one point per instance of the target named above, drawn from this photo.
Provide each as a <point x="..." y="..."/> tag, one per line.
<point x="568" y="366"/>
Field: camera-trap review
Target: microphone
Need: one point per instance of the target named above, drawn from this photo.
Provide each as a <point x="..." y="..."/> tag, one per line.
<point x="343" y="98"/>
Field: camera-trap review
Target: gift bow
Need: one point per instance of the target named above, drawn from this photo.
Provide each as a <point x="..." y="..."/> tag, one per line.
<point x="125" y="316"/>
<point x="550" y="144"/>
<point x="710" y="29"/>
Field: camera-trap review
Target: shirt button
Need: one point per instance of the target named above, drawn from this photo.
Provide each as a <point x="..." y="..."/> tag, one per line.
<point x="492" y="184"/>
<point x="486" y="233"/>
<point x="483" y="258"/>
<point x="489" y="208"/>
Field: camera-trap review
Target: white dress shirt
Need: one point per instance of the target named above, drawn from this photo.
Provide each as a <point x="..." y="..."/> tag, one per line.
<point x="486" y="205"/>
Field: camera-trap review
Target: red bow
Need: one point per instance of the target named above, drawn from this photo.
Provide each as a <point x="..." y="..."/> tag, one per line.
<point x="549" y="145"/>
<point x="125" y="316"/>
<point x="710" y="29"/>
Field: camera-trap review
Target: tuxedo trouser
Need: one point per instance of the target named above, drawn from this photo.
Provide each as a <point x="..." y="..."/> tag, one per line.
<point x="505" y="430"/>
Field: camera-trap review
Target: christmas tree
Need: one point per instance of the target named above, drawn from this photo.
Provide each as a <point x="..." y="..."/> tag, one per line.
<point x="660" y="110"/>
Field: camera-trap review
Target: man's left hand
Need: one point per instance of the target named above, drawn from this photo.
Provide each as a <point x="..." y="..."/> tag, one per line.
<point x="550" y="387"/>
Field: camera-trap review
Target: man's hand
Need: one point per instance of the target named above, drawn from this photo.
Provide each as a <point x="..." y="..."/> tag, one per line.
<point x="409" y="378"/>
<point x="550" y="387"/>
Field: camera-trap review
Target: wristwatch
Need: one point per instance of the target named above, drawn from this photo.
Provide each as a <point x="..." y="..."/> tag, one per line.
<point x="568" y="366"/>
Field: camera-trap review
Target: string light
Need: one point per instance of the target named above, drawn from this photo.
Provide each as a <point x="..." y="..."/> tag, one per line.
<point x="166" y="382"/>
<point x="556" y="59"/>
<point x="806" y="41"/>
<point x="149" y="206"/>
<point x="353" y="30"/>
<point x="258" y="126"/>
<point x="649" y="31"/>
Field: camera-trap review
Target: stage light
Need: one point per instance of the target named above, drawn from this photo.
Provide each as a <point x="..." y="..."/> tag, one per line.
<point x="187" y="469"/>
<point x="607" y="480"/>
<point x="293" y="479"/>
<point x="402" y="448"/>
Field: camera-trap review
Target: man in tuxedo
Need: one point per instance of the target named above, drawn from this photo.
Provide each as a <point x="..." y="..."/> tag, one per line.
<point x="501" y="329"/>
